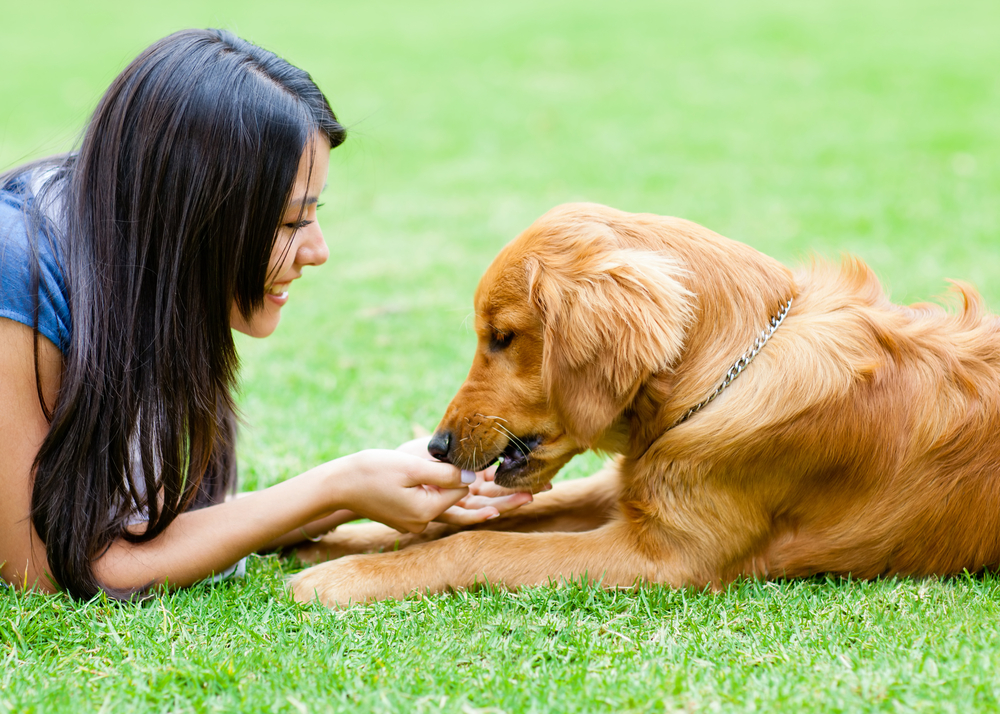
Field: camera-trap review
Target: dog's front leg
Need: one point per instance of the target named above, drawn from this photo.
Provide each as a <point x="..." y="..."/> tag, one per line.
<point x="609" y="555"/>
<point x="577" y="505"/>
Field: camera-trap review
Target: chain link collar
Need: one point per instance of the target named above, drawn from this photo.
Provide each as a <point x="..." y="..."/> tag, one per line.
<point x="739" y="365"/>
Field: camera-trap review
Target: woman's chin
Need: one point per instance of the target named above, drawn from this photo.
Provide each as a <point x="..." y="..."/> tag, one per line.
<point x="263" y="323"/>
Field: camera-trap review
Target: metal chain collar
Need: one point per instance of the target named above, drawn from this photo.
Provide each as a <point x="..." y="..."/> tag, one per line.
<point x="740" y="365"/>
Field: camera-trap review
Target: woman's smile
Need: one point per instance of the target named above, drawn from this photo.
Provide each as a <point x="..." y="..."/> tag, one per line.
<point x="278" y="293"/>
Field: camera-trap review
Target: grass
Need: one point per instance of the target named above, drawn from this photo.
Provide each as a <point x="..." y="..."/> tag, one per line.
<point x="799" y="128"/>
<point x="816" y="645"/>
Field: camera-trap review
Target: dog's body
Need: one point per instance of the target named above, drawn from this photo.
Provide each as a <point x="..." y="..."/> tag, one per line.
<point x="861" y="440"/>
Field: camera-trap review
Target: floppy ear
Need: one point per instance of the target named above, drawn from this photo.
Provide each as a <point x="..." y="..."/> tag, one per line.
<point x="612" y="317"/>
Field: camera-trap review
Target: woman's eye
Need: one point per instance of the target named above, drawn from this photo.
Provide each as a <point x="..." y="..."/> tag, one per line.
<point x="297" y="225"/>
<point x="501" y="340"/>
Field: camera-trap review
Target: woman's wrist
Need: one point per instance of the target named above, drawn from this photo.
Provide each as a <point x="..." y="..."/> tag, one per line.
<point x="352" y="480"/>
<point x="315" y="530"/>
<point x="330" y="485"/>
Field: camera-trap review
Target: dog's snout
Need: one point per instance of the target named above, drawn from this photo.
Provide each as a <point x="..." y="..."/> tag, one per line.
<point x="439" y="445"/>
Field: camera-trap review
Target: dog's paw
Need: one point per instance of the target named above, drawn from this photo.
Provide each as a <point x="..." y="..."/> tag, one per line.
<point x="347" y="581"/>
<point x="333" y="583"/>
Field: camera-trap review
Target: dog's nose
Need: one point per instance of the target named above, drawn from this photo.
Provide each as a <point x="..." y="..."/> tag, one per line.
<point x="439" y="444"/>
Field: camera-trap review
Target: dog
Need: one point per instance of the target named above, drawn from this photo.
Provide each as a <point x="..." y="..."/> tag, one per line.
<point x="768" y="423"/>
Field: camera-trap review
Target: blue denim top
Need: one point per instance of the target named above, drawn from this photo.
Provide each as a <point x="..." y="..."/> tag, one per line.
<point x="17" y="299"/>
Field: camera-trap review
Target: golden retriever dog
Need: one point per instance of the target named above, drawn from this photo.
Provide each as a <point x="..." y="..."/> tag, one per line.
<point x="769" y="423"/>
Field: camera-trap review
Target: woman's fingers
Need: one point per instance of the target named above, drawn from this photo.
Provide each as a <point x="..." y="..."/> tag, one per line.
<point x="502" y="504"/>
<point x="436" y="473"/>
<point x="398" y="489"/>
<point x="418" y="447"/>
<point x="406" y="492"/>
<point x="476" y="509"/>
<point x="459" y="516"/>
<point x="488" y="489"/>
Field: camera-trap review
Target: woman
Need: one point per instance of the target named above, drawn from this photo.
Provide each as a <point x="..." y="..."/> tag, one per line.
<point x="188" y="211"/>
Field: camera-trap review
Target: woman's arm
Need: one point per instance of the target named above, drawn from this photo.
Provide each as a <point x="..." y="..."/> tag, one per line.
<point x="396" y="489"/>
<point x="483" y="502"/>
<point x="23" y="428"/>
<point x="402" y="491"/>
<point x="311" y="531"/>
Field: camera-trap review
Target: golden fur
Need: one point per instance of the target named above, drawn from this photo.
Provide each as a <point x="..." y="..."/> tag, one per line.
<point x="862" y="440"/>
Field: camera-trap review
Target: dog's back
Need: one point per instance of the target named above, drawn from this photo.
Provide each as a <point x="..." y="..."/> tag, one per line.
<point x="865" y="439"/>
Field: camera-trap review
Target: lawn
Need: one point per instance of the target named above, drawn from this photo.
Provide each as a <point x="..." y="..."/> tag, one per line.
<point x="800" y="128"/>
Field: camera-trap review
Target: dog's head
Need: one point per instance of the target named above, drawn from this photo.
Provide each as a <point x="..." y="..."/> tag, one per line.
<point x="572" y="317"/>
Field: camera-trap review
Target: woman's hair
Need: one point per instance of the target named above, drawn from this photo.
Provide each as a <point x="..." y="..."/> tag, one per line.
<point x="169" y="213"/>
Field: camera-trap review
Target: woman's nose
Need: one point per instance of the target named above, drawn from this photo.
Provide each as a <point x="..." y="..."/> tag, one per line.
<point x="313" y="250"/>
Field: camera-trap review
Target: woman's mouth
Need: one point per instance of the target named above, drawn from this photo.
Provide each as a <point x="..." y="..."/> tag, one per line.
<point x="278" y="293"/>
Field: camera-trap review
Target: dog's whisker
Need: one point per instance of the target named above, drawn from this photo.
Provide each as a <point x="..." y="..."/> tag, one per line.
<point x="499" y="428"/>
<point x="517" y="441"/>
<point x="500" y="433"/>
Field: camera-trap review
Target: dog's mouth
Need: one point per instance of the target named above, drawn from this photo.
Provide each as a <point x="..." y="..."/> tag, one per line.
<point x="514" y="460"/>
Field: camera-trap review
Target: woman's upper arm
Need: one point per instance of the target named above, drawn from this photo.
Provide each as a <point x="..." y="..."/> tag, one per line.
<point x="23" y="426"/>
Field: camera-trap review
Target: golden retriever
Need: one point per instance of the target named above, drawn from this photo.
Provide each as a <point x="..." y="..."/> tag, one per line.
<point x="861" y="437"/>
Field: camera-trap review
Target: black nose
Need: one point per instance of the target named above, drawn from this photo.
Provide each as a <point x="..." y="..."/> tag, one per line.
<point x="439" y="444"/>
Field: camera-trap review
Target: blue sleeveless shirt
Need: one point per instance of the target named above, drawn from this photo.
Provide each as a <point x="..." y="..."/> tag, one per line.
<point x="17" y="299"/>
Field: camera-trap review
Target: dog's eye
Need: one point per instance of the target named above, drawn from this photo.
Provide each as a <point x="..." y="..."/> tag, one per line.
<point x="501" y="341"/>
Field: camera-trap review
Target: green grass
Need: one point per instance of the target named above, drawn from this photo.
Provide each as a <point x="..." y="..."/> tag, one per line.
<point x="821" y="127"/>
<point x="817" y="645"/>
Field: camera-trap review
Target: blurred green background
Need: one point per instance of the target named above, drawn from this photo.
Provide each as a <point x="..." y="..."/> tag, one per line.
<point x="800" y="128"/>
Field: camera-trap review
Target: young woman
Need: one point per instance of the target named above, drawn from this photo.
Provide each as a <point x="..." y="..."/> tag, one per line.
<point x="188" y="212"/>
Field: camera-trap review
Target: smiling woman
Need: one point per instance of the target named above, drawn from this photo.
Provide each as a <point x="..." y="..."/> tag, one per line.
<point x="298" y="243"/>
<point x="187" y="212"/>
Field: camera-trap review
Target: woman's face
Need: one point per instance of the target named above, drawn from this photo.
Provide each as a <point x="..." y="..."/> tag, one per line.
<point x="299" y="241"/>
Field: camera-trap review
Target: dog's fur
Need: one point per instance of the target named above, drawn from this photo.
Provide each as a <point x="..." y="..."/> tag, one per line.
<point x="862" y="440"/>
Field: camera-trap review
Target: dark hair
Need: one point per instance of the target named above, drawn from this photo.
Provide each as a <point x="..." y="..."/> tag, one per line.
<point x="169" y="214"/>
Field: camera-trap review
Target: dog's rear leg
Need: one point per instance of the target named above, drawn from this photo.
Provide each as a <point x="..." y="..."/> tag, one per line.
<point x="577" y="505"/>
<point x="353" y="538"/>
<point x="609" y="554"/>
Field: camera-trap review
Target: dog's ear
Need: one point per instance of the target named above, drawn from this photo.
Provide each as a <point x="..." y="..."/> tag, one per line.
<point x="612" y="317"/>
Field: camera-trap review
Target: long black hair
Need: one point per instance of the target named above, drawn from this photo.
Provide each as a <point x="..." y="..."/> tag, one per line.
<point x="168" y="216"/>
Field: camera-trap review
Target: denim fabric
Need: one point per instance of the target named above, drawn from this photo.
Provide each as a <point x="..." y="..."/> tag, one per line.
<point x="17" y="300"/>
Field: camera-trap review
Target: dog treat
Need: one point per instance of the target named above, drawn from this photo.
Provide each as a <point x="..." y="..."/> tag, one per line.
<point x="468" y="477"/>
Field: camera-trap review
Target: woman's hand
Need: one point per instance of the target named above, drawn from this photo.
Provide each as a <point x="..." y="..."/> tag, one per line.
<point x="400" y="490"/>
<point x="485" y="500"/>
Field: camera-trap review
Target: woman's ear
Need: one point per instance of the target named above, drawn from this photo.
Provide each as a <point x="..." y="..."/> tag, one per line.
<point x="612" y="317"/>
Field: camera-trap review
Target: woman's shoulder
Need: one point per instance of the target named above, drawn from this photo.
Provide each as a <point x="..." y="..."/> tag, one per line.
<point x="21" y="247"/>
